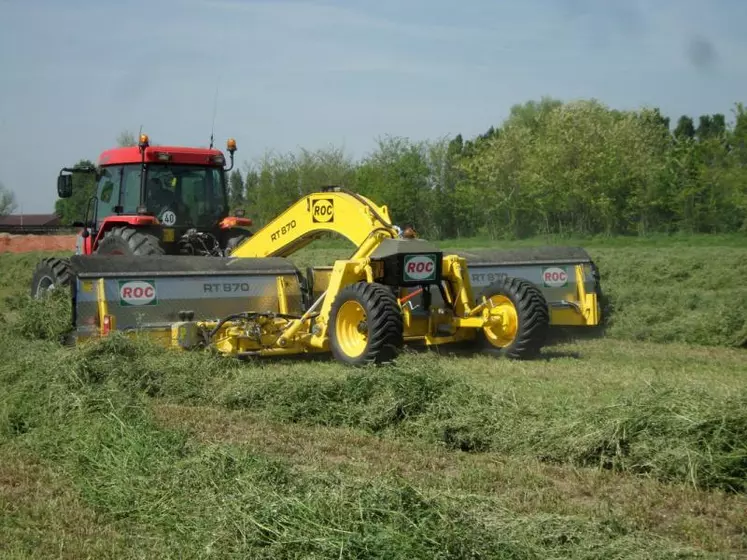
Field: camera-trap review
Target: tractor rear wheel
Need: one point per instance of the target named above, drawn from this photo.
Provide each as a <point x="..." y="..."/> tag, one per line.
<point x="50" y="274"/>
<point x="525" y="319"/>
<point x="129" y="242"/>
<point x="366" y="325"/>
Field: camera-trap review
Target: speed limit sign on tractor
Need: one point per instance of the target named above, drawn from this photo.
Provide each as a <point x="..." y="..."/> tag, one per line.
<point x="554" y="277"/>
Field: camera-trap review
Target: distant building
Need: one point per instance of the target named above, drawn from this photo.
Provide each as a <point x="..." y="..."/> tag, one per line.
<point x="30" y="220"/>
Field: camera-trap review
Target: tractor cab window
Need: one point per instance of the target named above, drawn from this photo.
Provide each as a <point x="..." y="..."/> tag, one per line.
<point x="131" y="189"/>
<point x="107" y="192"/>
<point x="184" y="195"/>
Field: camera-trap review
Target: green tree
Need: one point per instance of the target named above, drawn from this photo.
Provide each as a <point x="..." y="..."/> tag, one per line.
<point x="236" y="198"/>
<point x="736" y="173"/>
<point x="532" y="114"/>
<point x="7" y="201"/>
<point x="685" y="128"/>
<point x="278" y="180"/>
<point x="710" y="126"/>
<point x="574" y="168"/>
<point x="251" y="183"/>
<point x="397" y="174"/>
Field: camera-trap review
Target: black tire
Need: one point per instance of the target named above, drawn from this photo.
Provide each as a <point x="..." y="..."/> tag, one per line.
<point x="384" y="325"/>
<point x="129" y="242"/>
<point x="533" y="318"/>
<point x="51" y="274"/>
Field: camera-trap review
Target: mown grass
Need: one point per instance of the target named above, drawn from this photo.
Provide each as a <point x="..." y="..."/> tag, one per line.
<point x="101" y="420"/>
<point x="612" y="448"/>
<point x="691" y="434"/>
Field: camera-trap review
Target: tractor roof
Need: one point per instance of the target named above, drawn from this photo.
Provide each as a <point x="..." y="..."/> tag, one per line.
<point x="178" y="155"/>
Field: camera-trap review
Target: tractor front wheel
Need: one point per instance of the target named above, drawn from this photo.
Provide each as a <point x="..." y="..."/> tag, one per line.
<point x="366" y="325"/>
<point x="51" y="273"/>
<point x="129" y="242"/>
<point x="525" y="319"/>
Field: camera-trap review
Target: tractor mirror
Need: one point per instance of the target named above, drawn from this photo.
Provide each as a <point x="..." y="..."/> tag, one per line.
<point x="65" y="186"/>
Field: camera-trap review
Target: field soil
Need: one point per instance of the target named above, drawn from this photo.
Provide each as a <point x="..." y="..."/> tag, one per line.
<point x="31" y="243"/>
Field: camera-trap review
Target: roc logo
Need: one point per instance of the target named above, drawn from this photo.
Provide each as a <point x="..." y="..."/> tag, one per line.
<point x="420" y="268"/>
<point x="137" y="292"/>
<point x="554" y="277"/>
<point x="322" y="211"/>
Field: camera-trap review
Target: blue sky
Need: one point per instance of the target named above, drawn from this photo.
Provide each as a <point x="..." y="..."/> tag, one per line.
<point x="312" y="73"/>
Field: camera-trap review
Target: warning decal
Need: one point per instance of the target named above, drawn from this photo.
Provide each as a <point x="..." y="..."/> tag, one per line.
<point x="420" y="268"/>
<point x="323" y="210"/>
<point x="137" y="292"/>
<point x="554" y="277"/>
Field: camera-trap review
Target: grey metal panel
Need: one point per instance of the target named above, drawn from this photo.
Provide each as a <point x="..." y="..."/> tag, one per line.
<point x="105" y="266"/>
<point x="482" y="275"/>
<point x="389" y="247"/>
<point x="209" y="297"/>
<point x="529" y="255"/>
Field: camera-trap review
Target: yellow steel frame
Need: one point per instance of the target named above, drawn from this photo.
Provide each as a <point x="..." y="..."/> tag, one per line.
<point x="584" y="312"/>
<point x="283" y="336"/>
<point x="365" y="224"/>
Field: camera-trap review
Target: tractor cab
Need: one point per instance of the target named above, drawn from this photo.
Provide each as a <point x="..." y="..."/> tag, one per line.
<point x="177" y="196"/>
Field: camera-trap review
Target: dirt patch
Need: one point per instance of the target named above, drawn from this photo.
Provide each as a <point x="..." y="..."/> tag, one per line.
<point x="30" y="243"/>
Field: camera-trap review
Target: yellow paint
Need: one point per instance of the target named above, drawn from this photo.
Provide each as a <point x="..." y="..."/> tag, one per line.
<point x="282" y="295"/>
<point x="503" y="332"/>
<point x="366" y="225"/>
<point x="357" y="218"/>
<point x="351" y="339"/>
<point x="103" y="306"/>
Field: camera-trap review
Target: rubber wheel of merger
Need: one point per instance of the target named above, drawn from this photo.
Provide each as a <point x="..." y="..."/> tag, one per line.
<point x="525" y="319"/>
<point x="130" y="243"/>
<point x="366" y="325"/>
<point x="51" y="273"/>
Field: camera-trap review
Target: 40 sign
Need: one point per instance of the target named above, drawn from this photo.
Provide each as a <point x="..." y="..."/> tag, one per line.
<point x="137" y="293"/>
<point x="554" y="277"/>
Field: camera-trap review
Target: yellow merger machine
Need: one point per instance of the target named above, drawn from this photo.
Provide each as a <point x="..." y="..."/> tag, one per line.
<point x="392" y="290"/>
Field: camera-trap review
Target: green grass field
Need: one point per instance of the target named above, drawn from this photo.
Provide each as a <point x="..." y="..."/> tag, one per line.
<point x="629" y="446"/>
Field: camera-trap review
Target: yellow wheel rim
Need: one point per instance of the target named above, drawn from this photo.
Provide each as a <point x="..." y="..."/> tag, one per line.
<point x="350" y="328"/>
<point x="504" y="333"/>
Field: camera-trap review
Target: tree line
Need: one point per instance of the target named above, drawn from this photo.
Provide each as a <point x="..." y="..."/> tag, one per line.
<point x="550" y="167"/>
<point x="7" y="201"/>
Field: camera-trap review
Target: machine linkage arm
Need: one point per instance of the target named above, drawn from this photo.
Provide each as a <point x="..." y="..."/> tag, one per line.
<point x="333" y="210"/>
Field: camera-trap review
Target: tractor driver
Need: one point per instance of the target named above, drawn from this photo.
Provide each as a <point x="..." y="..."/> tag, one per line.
<point x="407" y="233"/>
<point x="159" y="197"/>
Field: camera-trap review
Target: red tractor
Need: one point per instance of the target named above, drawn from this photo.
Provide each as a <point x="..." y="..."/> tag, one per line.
<point x="152" y="200"/>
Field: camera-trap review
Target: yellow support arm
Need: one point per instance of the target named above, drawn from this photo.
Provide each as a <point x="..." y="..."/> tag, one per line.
<point x="349" y="214"/>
